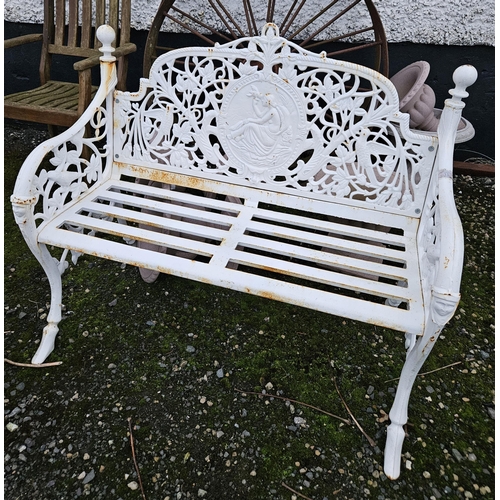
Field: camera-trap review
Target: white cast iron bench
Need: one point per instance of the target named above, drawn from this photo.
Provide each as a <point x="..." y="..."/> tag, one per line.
<point x="263" y="168"/>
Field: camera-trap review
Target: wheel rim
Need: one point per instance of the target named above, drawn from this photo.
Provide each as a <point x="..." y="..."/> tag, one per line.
<point x="344" y="29"/>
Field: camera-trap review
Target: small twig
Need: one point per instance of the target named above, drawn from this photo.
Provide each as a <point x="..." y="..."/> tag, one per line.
<point x="348" y="422"/>
<point x="443" y="367"/>
<point x="133" y="457"/>
<point x="370" y="440"/>
<point x="31" y="365"/>
<point x="296" y="492"/>
<point x="432" y="371"/>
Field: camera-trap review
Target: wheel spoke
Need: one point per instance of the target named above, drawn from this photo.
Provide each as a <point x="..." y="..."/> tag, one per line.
<point x="224" y="19"/>
<point x="328" y="23"/>
<point x="309" y="33"/>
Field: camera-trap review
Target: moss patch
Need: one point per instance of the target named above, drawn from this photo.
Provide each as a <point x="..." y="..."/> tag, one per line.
<point x="170" y="356"/>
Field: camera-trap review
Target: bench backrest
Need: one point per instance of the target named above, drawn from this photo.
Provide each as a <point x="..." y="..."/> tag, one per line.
<point x="263" y="112"/>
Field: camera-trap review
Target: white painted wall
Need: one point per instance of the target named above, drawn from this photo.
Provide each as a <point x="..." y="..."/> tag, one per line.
<point x="438" y="22"/>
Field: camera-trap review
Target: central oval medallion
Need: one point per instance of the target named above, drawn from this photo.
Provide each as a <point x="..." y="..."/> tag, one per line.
<point x="259" y="122"/>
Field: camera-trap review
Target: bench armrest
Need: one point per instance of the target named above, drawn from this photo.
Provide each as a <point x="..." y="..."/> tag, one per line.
<point x="81" y="155"/>
<point x="21" y="40"/>
<point x="90" y="62"/>
<point x="449" y="266"/>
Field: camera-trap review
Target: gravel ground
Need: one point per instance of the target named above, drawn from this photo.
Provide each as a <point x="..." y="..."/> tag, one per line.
<point x="168" y="361"/>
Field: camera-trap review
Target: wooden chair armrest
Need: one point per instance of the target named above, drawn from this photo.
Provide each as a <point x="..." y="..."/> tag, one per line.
<point x="21" y="40"/>
<point x="125" y="50"/>
<point x="90" y="62"/>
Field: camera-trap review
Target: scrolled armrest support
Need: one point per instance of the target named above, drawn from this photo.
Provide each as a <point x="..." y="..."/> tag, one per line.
<point x="449" y="270"/>
<point x="80" y="156"/>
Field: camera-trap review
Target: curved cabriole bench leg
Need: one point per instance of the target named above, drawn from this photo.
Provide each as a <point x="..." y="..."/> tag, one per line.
<point x="51" y="268"/>
<point x="442" y="309"/>
<point x="23" y="213"/>
<point x="399" y="411"/>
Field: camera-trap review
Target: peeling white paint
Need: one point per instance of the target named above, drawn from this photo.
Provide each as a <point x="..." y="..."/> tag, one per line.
<point x="436" y="22"/>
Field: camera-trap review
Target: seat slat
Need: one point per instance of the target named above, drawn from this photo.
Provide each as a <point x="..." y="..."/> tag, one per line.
<point x="168" y="210"/>
<point x="324" y="276"/>
<point x="333" y="227"/>
<point x="165" y="194"/>
<point x="53" y="96"/>
<point x="349" y="263"/>
<point x="331" y="241"/>
<point x="320" y="300"/>
<point x="126" y="231"/>
<point x="189" y="224"/>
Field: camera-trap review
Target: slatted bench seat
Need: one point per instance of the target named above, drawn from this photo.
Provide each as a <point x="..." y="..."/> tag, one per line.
<point x="264" y="168"/>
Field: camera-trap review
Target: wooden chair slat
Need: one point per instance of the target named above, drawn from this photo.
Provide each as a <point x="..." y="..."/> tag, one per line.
<point x="100" y="17"/>
<point x="125" y="23"/>
<point x="73" y="23"/>
<point x="86" y="24"/>
<point x="60" y="22"/>
<point x="66" y="96"/>
<point x="113" y="13"/>
<point x="48" y="36"/>
<point x="67" y="99"/>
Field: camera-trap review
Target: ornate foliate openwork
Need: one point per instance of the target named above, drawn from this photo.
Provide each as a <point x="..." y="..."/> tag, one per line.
<point x="263" y="110"/>
<point x="79" y="162"/>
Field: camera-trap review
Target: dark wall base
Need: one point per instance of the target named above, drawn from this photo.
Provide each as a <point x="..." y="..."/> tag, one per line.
<point x="21" y="73"/>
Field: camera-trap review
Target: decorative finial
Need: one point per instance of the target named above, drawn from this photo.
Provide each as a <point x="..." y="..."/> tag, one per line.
<point x="106" y="35"/>
<point x="270" y="30"/>
<point x="464" y="76"/>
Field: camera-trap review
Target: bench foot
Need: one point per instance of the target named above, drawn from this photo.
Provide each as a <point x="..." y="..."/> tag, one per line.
<point x="393" y="448"/>
<point x="46" y="345"/>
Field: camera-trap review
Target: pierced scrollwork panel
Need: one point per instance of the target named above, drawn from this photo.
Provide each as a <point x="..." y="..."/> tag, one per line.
<point x="78" y="163"/>
<point x="267" y="112"/>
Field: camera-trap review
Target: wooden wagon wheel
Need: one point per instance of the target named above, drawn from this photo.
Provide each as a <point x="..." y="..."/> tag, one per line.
<point x="344" y="29"/>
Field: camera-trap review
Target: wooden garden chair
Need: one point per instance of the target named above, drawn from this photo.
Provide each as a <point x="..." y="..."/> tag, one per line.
<point x="69" y="30"/>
